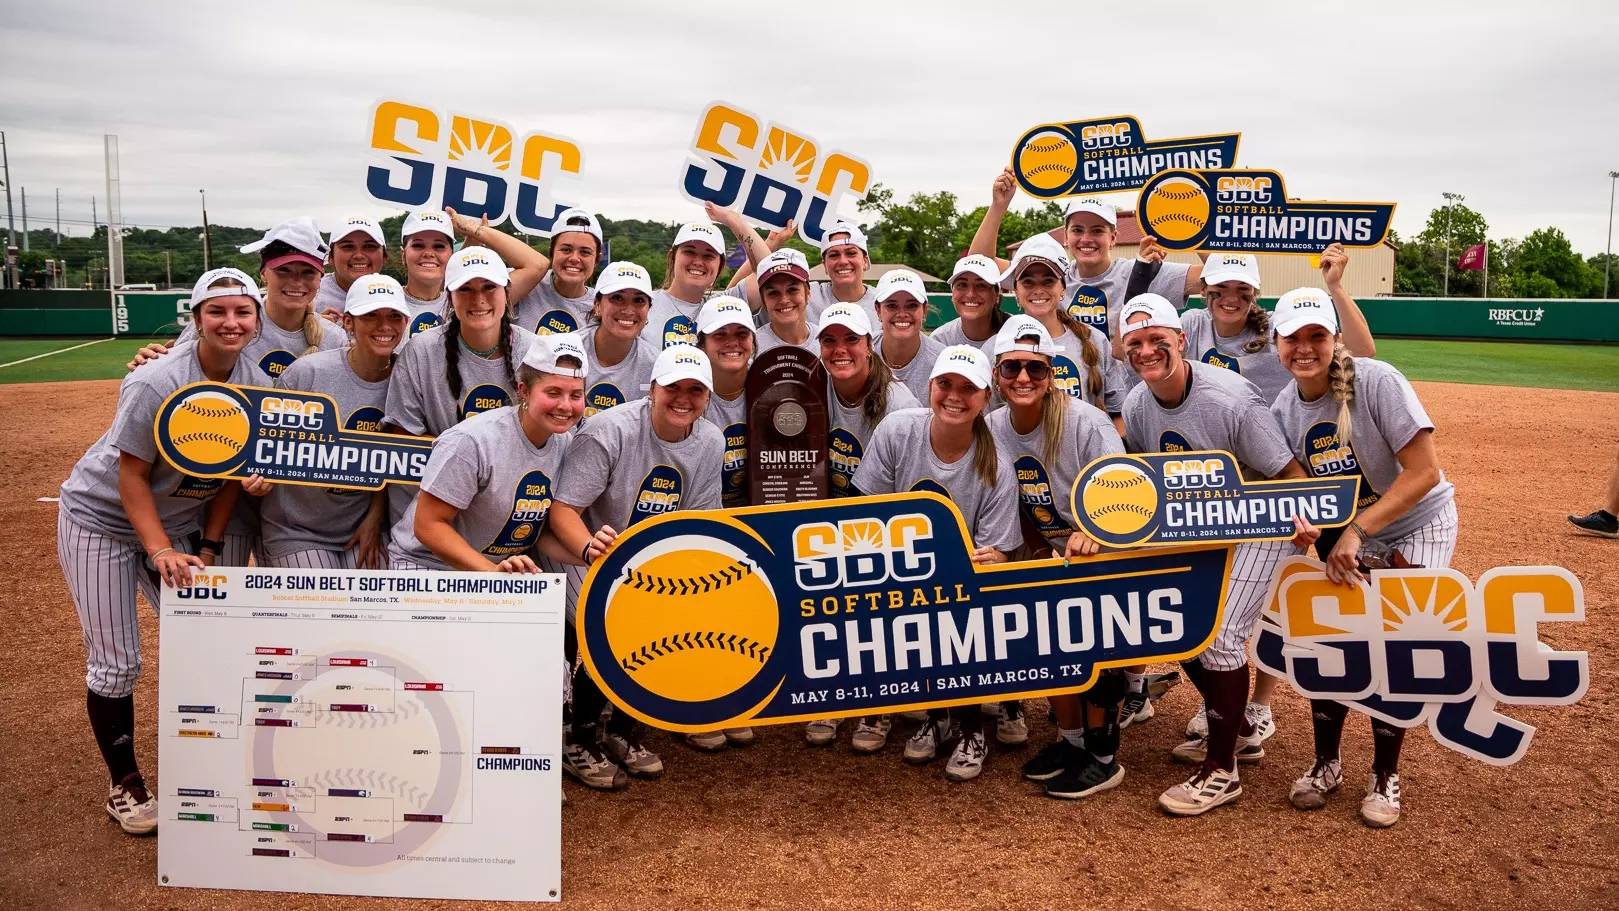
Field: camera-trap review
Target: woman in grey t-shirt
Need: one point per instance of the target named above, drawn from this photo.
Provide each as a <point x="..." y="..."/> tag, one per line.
<point x="426" y="241"/>
<point x="725" y="333"/>
<point x="975" y="293"/>
<point x="861" y="392"/>
<point x="620" y="359"/>
<point x="1081" y="366"/>
<point x="902" y="306"/>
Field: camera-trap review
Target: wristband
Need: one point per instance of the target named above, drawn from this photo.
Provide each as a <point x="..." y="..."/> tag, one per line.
<point x="1355" y="526"/>
<point x="151" y="562"/>
<point x="584" y="553"/>
<point x="218" y="547"/>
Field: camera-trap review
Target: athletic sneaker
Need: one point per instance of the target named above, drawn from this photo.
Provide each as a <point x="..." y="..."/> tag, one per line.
<point x="871" y="734"/>
<point x="1053" y="759"/>
<point x="1260" y="717"/>
<point x="929" y="739"/>
<point x="1601" y="522"/>
<point x="1311" y="789"/>
<point x="739" y="737"/>
<point x="1135" y="707"/>
<point x="132" y="806"/>
<point x="1199" y="725"/>
<point x="1381" y="808"/>
<point x="1011" y="728"/>
<point x="821" y="731"/>
<point x="592" y="768"/>
<point x="1085" y="780"/>
<point x="633" y="755"/>
<point x="967" y="760"/>
<point x="709" y="742"/>
<point x="1195" y="750"/>
<point x="1201" y="793"/>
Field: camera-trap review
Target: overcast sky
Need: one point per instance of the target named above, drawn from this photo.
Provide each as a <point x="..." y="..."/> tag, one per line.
<point x="1515" y="106"/>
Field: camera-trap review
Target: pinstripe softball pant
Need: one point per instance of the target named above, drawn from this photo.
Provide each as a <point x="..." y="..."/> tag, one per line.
<point x="1251" y="570"/>
<point x="313" y="559"/>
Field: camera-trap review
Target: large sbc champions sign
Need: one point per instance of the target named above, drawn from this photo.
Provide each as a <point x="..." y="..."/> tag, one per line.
<point x="707" y="620"/>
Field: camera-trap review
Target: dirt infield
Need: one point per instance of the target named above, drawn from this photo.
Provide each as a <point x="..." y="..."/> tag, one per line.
<point x="783" y="825"/>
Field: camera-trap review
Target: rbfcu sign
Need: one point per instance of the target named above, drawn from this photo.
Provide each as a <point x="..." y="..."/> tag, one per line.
<point x="768" y="172"/>
<point x="699" y="621"/>
<point x="421" y="159"/>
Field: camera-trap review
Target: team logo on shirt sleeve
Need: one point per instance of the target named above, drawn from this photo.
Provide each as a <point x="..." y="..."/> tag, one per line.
<point x="1327" y="457"/>
<point x="1089" y="306"/>
<point x="422" y="322"/>
<point x="1065" y="376"/>
<point x="556" y="322"/>
<point x="734" y="476"/>
<point x="275" y="363"/>
<point x="660" y="493"/>
<point x="679" y="330"/>
<point x="1034" y="496"/>
<point x="531" y="502"/>
<point x="1215" y="358"/>
<point x="484" y="397"/>
<point x="843" y="457"/>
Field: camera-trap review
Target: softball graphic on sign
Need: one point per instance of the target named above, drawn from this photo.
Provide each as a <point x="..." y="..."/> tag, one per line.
<point x="1176" y="210"/>
<point x="208" y="427"/>
<point x="1121" y="499"/>
<point x="1249" y="212"/>
<point x="1109" y="153"/>
<point x="1047" y="159"/>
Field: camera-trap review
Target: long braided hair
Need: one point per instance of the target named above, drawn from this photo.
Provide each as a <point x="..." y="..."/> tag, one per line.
<point x="1341" y="383"/>
<point x="452" y="350"/>
<point x="1259" y="324"/>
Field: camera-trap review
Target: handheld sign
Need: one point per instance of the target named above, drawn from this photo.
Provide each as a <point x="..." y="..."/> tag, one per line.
<point x="699" y="621"/>
<point x="770" y="173"/>
<point x="1249" y="212"/>
<point x="1109" y="153"/>
<point x="1426" y="646"/>
<point x="216" y="430"/>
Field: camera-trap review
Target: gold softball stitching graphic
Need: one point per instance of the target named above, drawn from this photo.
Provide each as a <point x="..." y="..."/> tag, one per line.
<point x="1177" y="209"/>
<point x="1120" y="499"/>
<point x="693" y="623"/>
<point x="1047" y="159"/>
<point x="209" y="428"/>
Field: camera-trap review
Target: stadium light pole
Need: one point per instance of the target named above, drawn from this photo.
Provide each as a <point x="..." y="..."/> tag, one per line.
<point x="1607" y="259"/>
<point x="1451" y="199"/>
<point x="207" y="242"/>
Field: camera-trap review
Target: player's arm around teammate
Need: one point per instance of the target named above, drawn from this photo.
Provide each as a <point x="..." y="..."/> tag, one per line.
<point x="902" y="305"/>
<point x="128" y="520"/>
<point x="642" y="459"/>
<point x="1346" y="415"/>
<point x="725" y="334"/>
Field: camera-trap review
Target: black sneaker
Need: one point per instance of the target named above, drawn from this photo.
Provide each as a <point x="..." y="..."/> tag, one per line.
<point x="1600" y="522"/>
<point x="1085" y="780"/>
<point x="1054" y="759"/>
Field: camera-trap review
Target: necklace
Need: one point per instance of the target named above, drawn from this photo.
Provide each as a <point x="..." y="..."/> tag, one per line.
<point x="483" y="352"/>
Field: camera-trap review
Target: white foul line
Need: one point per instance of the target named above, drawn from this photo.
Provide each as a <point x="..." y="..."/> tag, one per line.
<point x="57" y="351"/>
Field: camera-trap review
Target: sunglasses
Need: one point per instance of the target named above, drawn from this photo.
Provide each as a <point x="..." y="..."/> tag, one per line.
<point x="1037" y="370"/>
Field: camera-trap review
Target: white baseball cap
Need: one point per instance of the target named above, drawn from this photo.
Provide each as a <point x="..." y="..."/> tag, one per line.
<point x="850" y="316"/>
<point x="1037" y="249"/>
<point x="721" y="311"/>
<point x="469" y="263"/>
<point x="1305" y="307"/>
<point x="577" y="220"/>
<point x="1104" y="210"/>
<point x="201" y="292"/>
<point x="356" y="223"/>
<point x="371" y="293"/>
<point x="545" y="351"/>
<point x="977" y="264"/>
<point x="702" y="232"/>
<point x="785" y="260"/>
<point x="968" y="360"/>
<point x="624" y="276"/>
<point x="301" y="234"/>
<point x="682" y="362"/>
<point x="1021" y="326"/>
<point x="1232" y="267"/>
<point x="427" y="220"/>
<point x="899" y="280"/>
<point x="856" y="236"/>
<point x="1160" y="312"/>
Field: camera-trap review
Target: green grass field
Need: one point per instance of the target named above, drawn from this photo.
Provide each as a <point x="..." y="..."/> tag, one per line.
<point x="1594" y="367"/>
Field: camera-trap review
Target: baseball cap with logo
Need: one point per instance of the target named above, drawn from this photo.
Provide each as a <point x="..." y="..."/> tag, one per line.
<point x="624" y="276"/>
<point x="1039" y="249"/>
<point x="682" y="362"/>
<point x="1021" y="326"/>
<point x="427" y="220"/>
<point x="356" y="225"/>
<point x="897" y="280"/>
<point x="850" y="316"/>
<point x="1160" y="312"/>
<point x="721" y="311"/>
<point x="1090" y="204"/>
<point x="967" y="360"/>
<point x="700" y="232"/>
<point x="856" y="236"/>
<point x="371" y="293"/>
<point x="469" y="263"/>
<point x="1305" y="307"/>
<point x="977" y="264"/>
<point x="788" y="261"/>
<point x="577" y="220"/>
<point x="201" y="291"/>
<point x="301" y="234"/>
<point x="1232" y="267"/>
<point x="546" y="351"/>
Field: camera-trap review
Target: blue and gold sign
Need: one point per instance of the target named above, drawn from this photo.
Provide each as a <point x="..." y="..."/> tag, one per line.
<point x="1249" y="212"/>
<point x="1106" y="154"/>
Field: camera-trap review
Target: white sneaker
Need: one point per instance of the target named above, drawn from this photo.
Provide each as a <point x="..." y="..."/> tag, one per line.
<point x="1196" y="749"/>
<point x="871" y="734"/>
<point x="739" y="737"/>
<point x="1201" y="793"/>
<point x="592" y="768"/>
<point x="132" y="806"/>
<point x="628" y="751"/>
<point x="707" y="742"/>
<point x="1311" y="789"/>
<point x="821" y="731"/>
<point x="1011" y="728"/>
<point x="1260" y="717"/>
<point x="1381" y="808"/>
<point x="1136" y="707"/>
<point x="1199" y="725"/>
<point x="924" y="745"/>
<point x="968" y="758"/>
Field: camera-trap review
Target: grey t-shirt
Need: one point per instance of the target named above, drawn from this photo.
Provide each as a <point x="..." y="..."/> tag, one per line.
<point x="546" y="311"/>
<point x="952" y="333"/>
<point x="1069" y="372"/>
<point x="821" y="297"/>
<point x="849" y="430"/>
<point x="1043" y="489"/>
<point x="765" y="338"/>
<point x="899" y="459"/>
<point x="609" y="386"/>
<point x="425" y="314"/>
<point x="1385" y="416"/>
<point x="671" y="321"/>
<point x="419" y="394"/>
<point x="299" y="517"/>
<point x="731" y="417"/>
<point x="90" y="493"/>
<point x="275" y="348"/>
<point x="915" y="372"/>
<point x="1097" y="300"/>
<point x="1263" y="368"/>
<point x="1223" y="411"/>
<point x="328" y="296"/>
<point x="620" y="472"/>
<point x="502" y="483"/>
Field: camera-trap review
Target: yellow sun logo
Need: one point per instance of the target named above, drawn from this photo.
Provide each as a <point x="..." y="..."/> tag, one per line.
<point x="483" y="146"/>
<point x="864" y="537"/>
<point x="787" y="155"/>
<point x="1428" y="608"/>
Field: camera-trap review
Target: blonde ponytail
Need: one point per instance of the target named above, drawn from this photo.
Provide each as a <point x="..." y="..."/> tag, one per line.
<point x="312" y="330"/>
<point x="1092" y="357"/>
<point x="1053" y="414"/>
<point x="985" y="461"/>
<point x="1341" y="383"/>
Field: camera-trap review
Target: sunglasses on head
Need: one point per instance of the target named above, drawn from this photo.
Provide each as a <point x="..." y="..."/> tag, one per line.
<point x="1037" y="370"/>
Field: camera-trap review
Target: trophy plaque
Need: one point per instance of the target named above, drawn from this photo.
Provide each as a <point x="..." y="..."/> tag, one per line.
<point x="786" y="427"/>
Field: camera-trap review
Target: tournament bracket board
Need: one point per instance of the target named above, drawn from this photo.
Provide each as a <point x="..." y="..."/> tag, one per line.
<point x="362" y="733"/>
